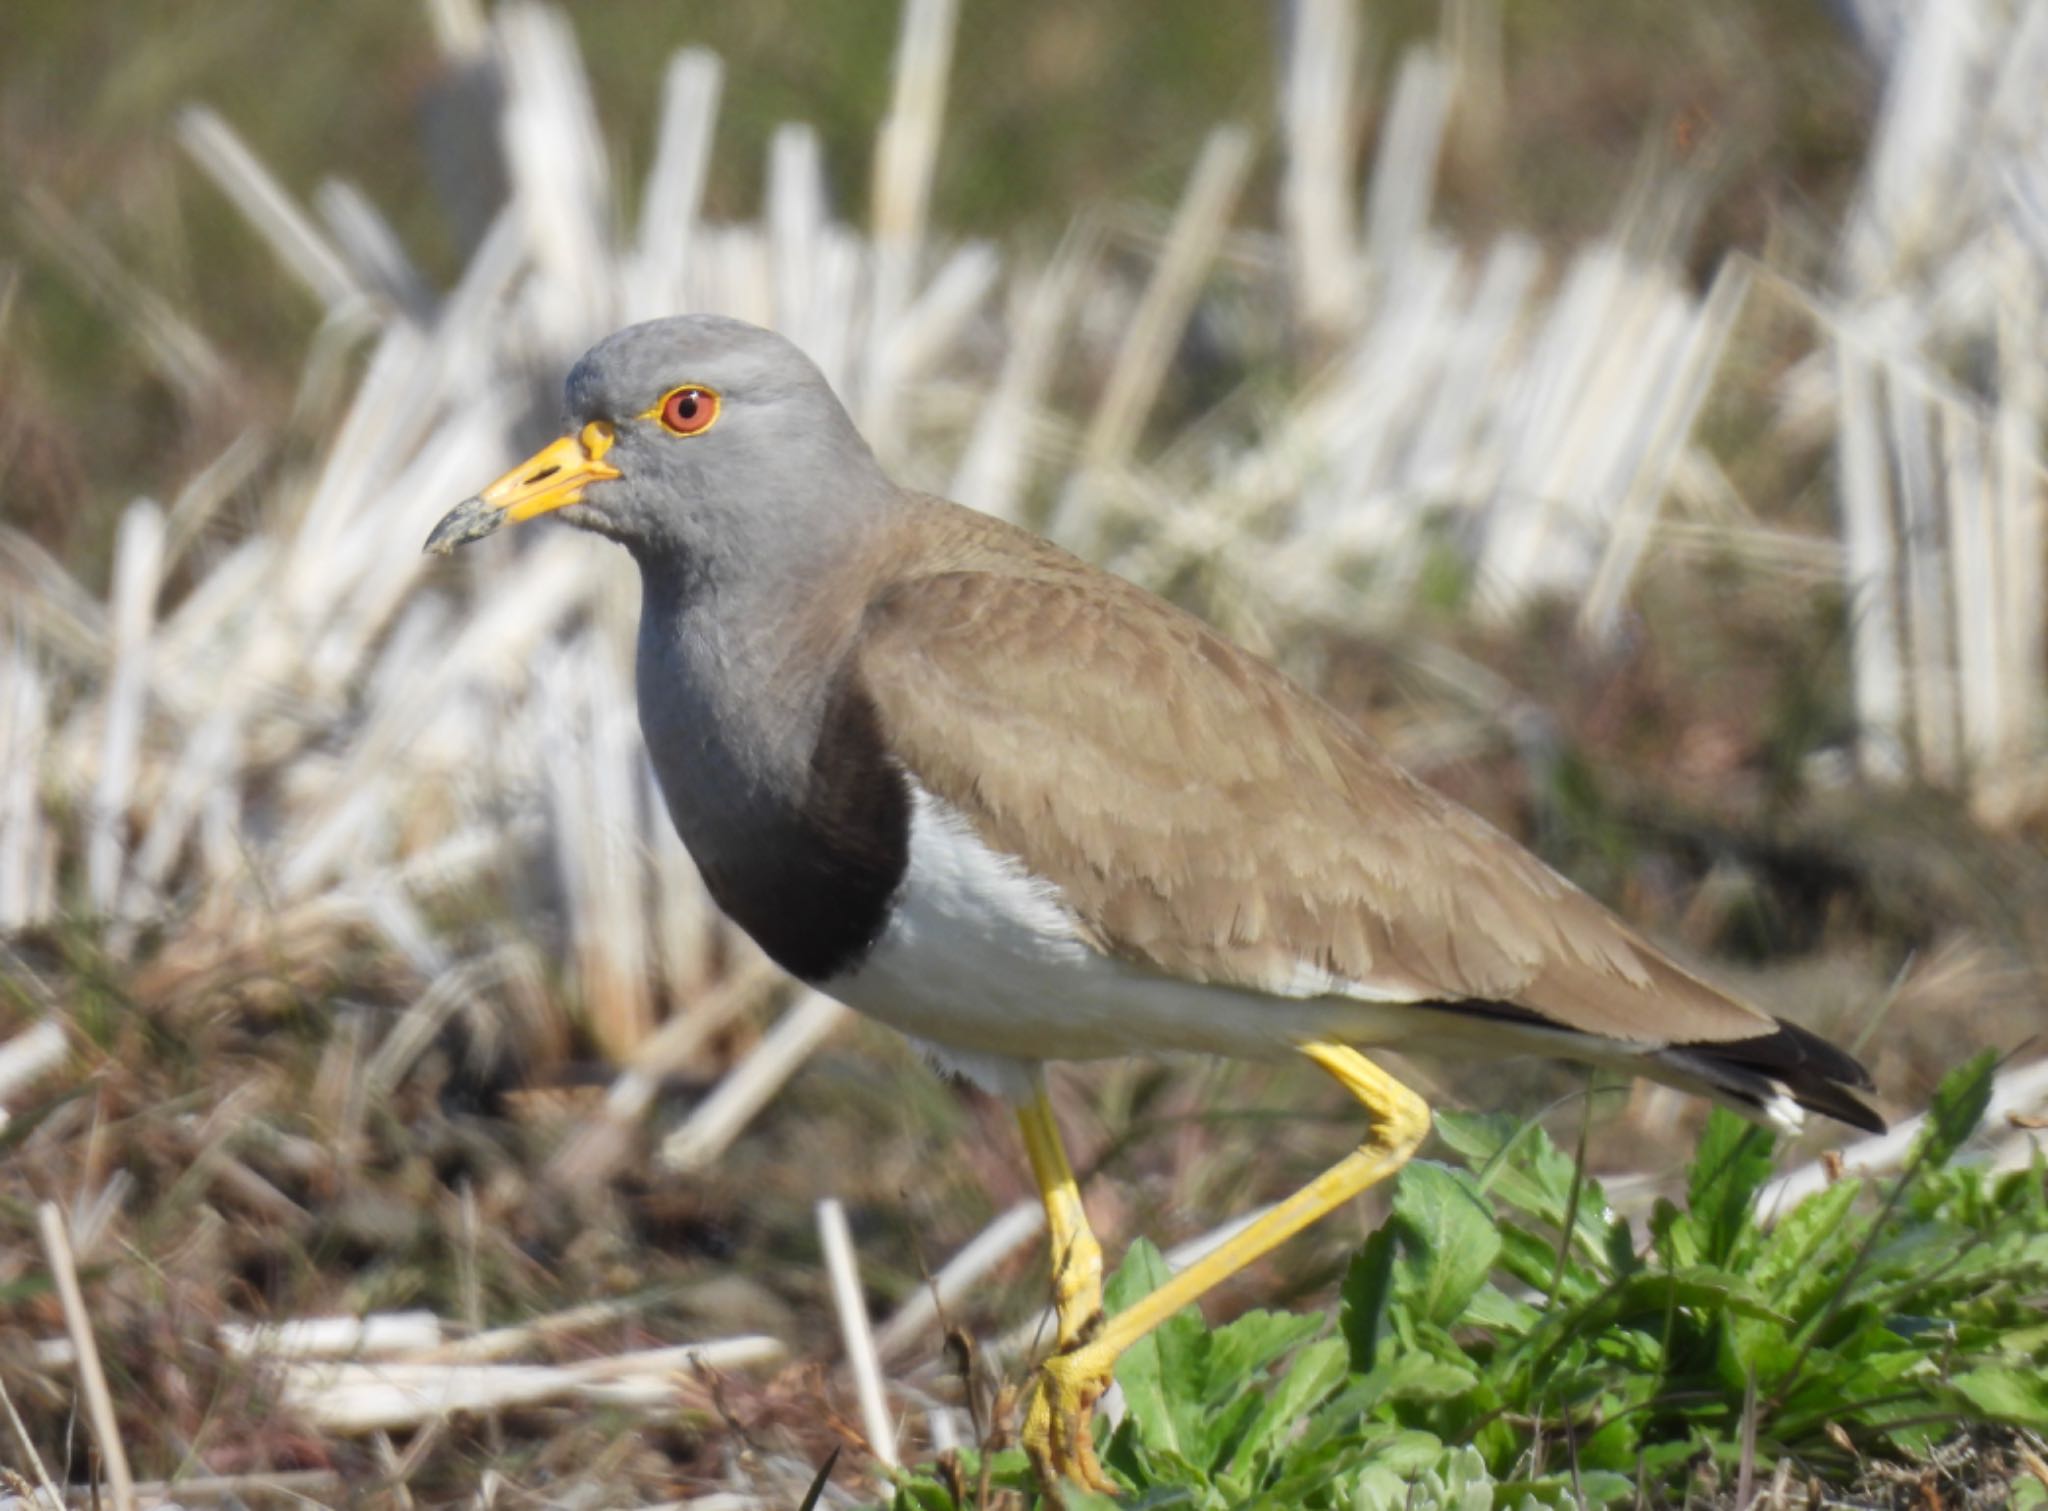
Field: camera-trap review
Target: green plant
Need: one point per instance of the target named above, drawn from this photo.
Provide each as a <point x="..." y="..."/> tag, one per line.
<point x="1505" y="1340"/>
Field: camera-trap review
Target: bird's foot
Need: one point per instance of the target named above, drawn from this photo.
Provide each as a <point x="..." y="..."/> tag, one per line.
<point x="1059" y="1419"/>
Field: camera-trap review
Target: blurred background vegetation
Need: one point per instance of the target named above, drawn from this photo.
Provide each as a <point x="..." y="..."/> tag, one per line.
<point x="1053" y="107"/>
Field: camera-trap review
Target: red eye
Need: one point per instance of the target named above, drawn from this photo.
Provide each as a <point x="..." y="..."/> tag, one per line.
<point x="689" y="410"/>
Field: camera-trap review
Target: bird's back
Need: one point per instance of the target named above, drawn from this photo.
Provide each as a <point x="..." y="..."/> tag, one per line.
<point x="1206" y="818"/>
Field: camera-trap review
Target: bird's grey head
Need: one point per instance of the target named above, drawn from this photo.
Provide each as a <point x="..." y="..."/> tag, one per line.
<point x="696" y="441"/>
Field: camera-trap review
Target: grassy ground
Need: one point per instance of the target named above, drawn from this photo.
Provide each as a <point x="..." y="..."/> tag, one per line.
<point x="260" y="1136"/>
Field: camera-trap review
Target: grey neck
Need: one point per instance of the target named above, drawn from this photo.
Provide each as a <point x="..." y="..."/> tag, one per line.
<point x="770" y="761"/>
<point x="735" y="644"/>
<point x="723" y="697"/>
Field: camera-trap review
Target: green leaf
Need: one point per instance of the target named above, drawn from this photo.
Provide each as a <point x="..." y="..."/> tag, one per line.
<point x="1459" y="1483"/>
<point x="1339" y="1432"/>
<point x="1367" y="1293"/>
<point x="1224" y="1402"/>
<point x="1448" y="1240"/>
<point x="1492" y="1307"/>
<point x="1412" y="1377"/>
<point x="1239" y="1350"/>
<point x="1731" y="1165"/>
<point x="1762" y="1351"/>
<point x="1957" y="1109"/>
<point x="1622" y="1258"/>
<point x="1143" y="1271"/>
<point x="1895" y="1323"/>
<point x="2025" y="1340"/>
<point x="2006" y="1395"/>
<point x="1675" y="1238"/>
<point x="913" y="1495"/>
<point x="1315" y="1372"/>
<point x="1651" y="1295"/>
<point x="27" y="1288"/>
<point x="1532" y="1259"/>
<point x="1409" y="1453"/>
<point x="1345" y="1423"/>
<point x="1598" y="1488"/>
<point x="1517" y="1162"/>
<point x="1160" y="1371"/>
<point x="1793" y="1251"/>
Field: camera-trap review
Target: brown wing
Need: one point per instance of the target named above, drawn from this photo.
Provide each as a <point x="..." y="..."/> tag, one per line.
<point x="1206" y="817"/>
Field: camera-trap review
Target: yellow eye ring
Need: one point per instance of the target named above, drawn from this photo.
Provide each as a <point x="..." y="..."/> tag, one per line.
<point x="688" y="409"/>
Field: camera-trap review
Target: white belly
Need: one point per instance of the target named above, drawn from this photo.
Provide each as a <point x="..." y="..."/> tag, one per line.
<point x="983" y="962"/>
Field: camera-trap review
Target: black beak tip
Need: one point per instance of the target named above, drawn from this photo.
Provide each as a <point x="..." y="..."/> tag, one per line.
<point x="472" y="519"/>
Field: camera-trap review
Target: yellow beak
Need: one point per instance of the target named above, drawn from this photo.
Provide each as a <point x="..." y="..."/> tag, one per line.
<point x="554" y="476"/>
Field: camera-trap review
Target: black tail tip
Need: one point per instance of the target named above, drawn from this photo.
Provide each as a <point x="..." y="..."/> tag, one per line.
<point x="1793" y="1064"/>
<point x="1834" y="1101"/>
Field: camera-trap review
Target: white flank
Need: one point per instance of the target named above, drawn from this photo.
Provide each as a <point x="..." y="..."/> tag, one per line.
<point x="985" y="964"/>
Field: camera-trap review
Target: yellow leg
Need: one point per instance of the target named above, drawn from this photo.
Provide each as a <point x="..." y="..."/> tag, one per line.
<point x="1077" y="1301"/>
<point x="1076" y="1256"/>
<point x="1057" y="1422"/>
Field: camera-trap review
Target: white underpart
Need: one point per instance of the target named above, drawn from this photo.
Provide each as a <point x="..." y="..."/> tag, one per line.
<point x="1784" y="1114"/>
<point x="985" y="964"/>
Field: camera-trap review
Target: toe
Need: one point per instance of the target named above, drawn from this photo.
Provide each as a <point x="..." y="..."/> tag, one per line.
<point x="1059" y="1422"/>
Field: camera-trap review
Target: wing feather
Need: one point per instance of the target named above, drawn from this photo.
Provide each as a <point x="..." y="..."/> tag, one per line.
<point x="1206" y="817"/>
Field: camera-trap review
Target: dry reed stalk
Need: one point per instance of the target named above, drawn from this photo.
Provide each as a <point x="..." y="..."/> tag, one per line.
<point x="369" y="243"/>
<point x="27" y="1445"/>
<point x="906" y="155"/>
<point x="671" y="200"/>
<point x="1707" y="330"/>
<point x="1870" y="549"/>
<point x="138" y="570"/>
<point x="561" y="187"/>
<point x="1162" y="313"/>
<point x="1404" y="168"/>
<point x="993" y="466"/>
<point x="503" y="1342"/>
<point x="92" y="1377"/>
<point x="28" y="1057"/>
<point x="592" y="756"/>
<point x="752" y="1083"/>
<point x="597" y="1150"/>
<point x="842" y="1269"/>
<point x="226" y="159"/>
<point x="1924" y="570"/>
<point x="28" y="843"/>
<point x="968" y="1267"/>
<point x="290" y="1486"/>
<point x="378" y="1335"/>
<point x="1315" y="193"/>
<point x="1944" y="662"/>
<point x="1980" y="683"/>
<point x="357" y="1397"/>
<point x="415" y="1340"/>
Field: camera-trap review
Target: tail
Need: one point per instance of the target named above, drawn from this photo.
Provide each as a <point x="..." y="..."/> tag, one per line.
<point x="1774" y="1077"/>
